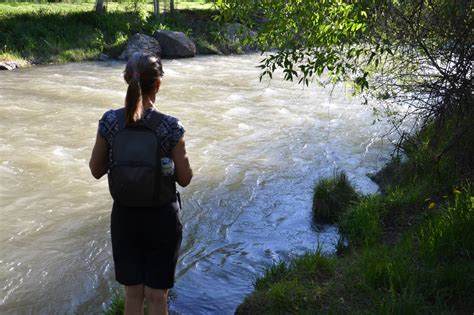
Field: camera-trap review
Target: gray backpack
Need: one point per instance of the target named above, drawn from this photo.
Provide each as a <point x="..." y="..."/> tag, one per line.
<point x="140" y="174"/>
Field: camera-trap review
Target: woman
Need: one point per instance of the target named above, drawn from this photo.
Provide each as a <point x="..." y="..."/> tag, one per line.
<point x="145" y="240"/>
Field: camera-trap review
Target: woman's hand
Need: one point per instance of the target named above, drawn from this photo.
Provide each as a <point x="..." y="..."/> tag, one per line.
<point x="99" y="158"/>
<point x="182" y="170"/>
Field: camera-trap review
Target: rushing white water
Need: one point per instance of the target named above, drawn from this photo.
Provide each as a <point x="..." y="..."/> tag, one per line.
<point x="256" y="148"/>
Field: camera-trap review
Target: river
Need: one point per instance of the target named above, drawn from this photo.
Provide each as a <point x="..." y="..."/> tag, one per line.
<point x="256" y="149"/>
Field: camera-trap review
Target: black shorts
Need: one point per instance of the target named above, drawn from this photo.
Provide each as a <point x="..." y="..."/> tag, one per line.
<point x="145" y="245"/>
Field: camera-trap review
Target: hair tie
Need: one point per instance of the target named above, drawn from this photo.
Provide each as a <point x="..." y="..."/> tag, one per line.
<point x="136" y="75"/>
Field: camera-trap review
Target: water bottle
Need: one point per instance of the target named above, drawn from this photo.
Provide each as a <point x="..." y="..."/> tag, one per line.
<point x="167" y="167"/>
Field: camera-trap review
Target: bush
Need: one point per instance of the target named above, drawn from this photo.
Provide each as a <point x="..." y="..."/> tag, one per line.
<point x="332" y="196"/>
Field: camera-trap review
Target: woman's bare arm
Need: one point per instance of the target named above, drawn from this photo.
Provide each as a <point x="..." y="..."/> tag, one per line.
<point x="183" y="171"/>
<point x="99" y="158"/>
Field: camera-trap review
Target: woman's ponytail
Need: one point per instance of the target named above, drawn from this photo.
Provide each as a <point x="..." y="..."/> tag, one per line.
<point x="141" y="73"/>
<point x="133" y="103"/>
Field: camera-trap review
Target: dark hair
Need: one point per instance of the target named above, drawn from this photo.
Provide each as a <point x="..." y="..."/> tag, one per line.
<point x="141" y="73"/>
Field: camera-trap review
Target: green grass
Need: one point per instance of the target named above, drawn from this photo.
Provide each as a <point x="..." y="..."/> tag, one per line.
<point x="117" y="304"/>
<point x="362" y="223"/>
<point x="296" y="287"/>
<point x="448" y="236"/>
<point x="64" y="32"/>
<point x="331" y="197"/>
<point x="15" y="7"/>
<point x="61" y="33"/>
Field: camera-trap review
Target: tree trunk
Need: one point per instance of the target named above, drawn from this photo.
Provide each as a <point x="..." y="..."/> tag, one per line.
<point x="156" y="8"/>
<point x="100" y="6"/>
<point x="172" y="6"/>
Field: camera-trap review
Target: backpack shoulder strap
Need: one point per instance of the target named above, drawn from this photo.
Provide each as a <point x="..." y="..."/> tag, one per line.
<point x="155" y="120"/>
<point x="120" y="114"/>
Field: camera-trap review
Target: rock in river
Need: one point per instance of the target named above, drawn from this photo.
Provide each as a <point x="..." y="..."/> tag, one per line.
<point x="8" y="65"/>
<point x="140" y="42"/>
<point x="175" y="44"/>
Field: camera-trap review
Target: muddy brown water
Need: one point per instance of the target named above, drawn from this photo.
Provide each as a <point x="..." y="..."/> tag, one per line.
<point x="256" y="148"/>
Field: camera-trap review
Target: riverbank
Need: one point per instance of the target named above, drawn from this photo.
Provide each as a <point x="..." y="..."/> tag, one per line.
<point x="405" y="251"/>
<point x="61" y="32"/>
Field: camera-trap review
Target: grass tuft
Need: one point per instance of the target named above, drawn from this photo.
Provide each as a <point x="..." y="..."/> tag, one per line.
<point x="331" y="197"/>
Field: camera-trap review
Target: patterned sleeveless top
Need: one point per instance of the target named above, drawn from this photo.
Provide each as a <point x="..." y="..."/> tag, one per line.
<point x="170" y="129"/>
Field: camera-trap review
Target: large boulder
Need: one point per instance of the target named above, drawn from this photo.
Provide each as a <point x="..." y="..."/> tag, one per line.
<point x="235" y="32"/>
<point x="140" y="43"/>
<point x="8" y="65"/>
<point x="175" y="44"/>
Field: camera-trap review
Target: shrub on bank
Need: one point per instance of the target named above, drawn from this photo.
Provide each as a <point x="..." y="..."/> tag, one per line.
<point x="331" y="197"/>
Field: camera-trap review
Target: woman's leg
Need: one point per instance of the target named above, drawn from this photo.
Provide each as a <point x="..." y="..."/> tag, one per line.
<point x="157" y="301"/>
<point x="134" y="295"/>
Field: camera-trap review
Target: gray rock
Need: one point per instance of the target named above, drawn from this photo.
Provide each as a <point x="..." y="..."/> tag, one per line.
<point x="142" y="43"/>
<point x="236" y="31"/>
<point x="175" y="44"/>
<point x="103" y="57"/>
<point x="8" y="65"/>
